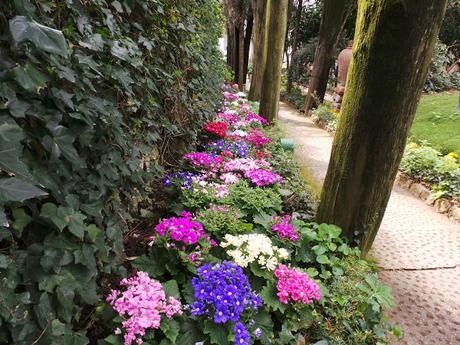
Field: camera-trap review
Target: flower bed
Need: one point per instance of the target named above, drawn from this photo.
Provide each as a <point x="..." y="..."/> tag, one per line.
<point x="236" y="263"/>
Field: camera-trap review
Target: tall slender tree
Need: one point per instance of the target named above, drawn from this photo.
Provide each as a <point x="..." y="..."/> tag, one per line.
<point x="333" y="18"/>
<point x="392" y="51"/>
<point x="270" y="94"/>
<point x="259" y="8"/>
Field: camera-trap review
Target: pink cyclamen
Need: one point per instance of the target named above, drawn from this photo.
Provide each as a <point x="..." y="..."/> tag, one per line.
<point x="141" y="305"/>
<point x="296" y="286"/>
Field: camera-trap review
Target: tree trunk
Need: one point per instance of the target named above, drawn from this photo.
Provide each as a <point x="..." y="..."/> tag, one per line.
<point x="230" y="46"/>
<point x="247" y="45"/>
<point x="392" y="51"/>
<point x="241" y="57"/>
<point x="333" y="17"/>
<point x="270" y="95"/>
<point x="295" y="39"/>
<point x="260" y="8"/>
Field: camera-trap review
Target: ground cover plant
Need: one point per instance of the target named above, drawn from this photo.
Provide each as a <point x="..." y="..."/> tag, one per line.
<point x="240" y="254"/>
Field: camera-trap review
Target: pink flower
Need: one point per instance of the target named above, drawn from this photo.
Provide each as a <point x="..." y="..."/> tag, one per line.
<point x="140" y="303"/>
<point x="257" y="138"/>
<point x="262" y="177"/>
<point x="229" y="178"/>
<point x="284" y="228"/>
<point x="295" y="285"/>
<point x="253" y="117"/>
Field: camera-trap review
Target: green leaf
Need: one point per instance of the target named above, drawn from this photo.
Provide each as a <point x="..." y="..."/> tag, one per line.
<point x="285" y="192"/>
<point x="264" y="321"/>
<point x="56" y="215"/>
<point x="114" y="340"/>
<point x="322" y="259"/>
<point x="218" y="334"/>
<point x="21" y="219"/>
<point x="268" y="295"/>
<point x="171" y="329"/>
<point x="147" y="264"/>
<point x="312" y="272"/>
<point x="43" y="37"/>
<point x="319" y="249"/>
<point x="329" y="231"/>
<point x="15" y="189"/>
<point x="61" y="143"/>
<point x="189" y="333"/>
<point x="171" y="288"/>
<point x="30" y="78"/>
<point x="5" y="261"/>
<point x="76" y="225"/>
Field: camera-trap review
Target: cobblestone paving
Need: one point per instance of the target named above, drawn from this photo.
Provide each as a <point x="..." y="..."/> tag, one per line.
<point x="417" y="248"/>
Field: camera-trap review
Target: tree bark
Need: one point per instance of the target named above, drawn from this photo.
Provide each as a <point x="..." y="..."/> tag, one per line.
<point x="295" y="39"/>
<point x="247" y="44"/>
<point x="270" y="95"/>
<point x="333" y="18"/>
<point x="240" y="54"/>
<point x="259" y="45"/>
<point x="230" y="46"/>
<point x="391" y="55"/>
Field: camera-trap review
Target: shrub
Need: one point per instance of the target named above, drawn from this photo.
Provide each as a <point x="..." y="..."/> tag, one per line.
<point x="302" y="58"/>
<point x="438" y="79"/>
<point x="95" y="97"/>
<point x="326" y="116"/>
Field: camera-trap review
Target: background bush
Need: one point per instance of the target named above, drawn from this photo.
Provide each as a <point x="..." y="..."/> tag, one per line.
<point x="438" y="79"/>
<point x="96" y="99"/>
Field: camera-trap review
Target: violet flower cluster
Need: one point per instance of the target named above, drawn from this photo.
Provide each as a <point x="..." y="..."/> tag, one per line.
<point x="262" y="177"/>
<point x="238" y="148"/>
<point x="284" y="228"/>
<point x="253" y="117"/>
<point x="141" y="302"/>
<point x="222" y="291"/>
<point x="296" y="286"/>
<point x="181" y="179"/>
<point x="203" y="159"/>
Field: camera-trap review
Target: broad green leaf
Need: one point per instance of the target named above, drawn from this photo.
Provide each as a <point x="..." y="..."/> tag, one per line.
<point x="30" y="78"/>
<point x="43" y="37"/>
<point x="56" y="215"/>
<point x="270" y="298"/>
<point x="218" y="334"/>
<point x="76" y="225"/>
<point x="15" y="189"/>
<point x="170" y="328"/>
<point x="264" y="321"/>
<point x="322" y="259"/>
<point x="171" y="288"/>
<point x="319" y="249"/>
<point x="21" y="219"/>
<point x="189" y="333"/>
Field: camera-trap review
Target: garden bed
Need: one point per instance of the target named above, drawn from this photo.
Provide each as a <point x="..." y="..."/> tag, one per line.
<point x="237" y="259"/>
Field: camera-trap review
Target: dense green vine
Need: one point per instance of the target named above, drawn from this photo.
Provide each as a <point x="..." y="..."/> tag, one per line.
<point x="96" y="98"/>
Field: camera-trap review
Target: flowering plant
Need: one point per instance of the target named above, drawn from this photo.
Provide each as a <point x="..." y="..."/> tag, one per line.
<point x="141" y="304"/>
<point x="244" y="165"/>
<point x="262" y="177"/>
<point x="257" y="138"/>
<point x="182" y="179"/>
<point x="238" y="148"/>
<point x="245" y="249"/>
<point x="218" y="128"/>
<point x="203" y="160"/>
<point x="296" y="286"/>
<point x="185" y="235"/>
<point x="284" y="228"/>
<point x="253" y="117"/>
<point x="230" y="96"/>
<point x="222" y="291"/>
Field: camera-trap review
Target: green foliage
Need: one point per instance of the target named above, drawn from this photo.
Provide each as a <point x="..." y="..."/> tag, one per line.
<point x="301" y="62"/>
<point x="438" y="79"/>
<point x="326" y="116"/>
<point x="95" y="97"/>
<point x="425" y="163"/>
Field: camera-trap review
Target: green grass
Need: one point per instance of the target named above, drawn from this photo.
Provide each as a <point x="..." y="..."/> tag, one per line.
<point x="438" y="122"/>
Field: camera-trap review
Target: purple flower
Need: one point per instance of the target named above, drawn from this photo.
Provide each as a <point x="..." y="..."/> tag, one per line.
<point x="262" y="177"/>
<point x="284" y="228"/>
<point x="242" y="336"/>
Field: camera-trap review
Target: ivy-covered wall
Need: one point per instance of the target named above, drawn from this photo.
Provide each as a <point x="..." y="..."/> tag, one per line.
<point x="96" y="99"/>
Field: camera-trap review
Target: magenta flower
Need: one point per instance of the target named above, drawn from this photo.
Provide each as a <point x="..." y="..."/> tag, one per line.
<point x="284" y="229"/>
<point x="262" y="177"/>
<point x="295" y="285"/>
<point x="181" y="229"/>
<point x="203" y="160"/>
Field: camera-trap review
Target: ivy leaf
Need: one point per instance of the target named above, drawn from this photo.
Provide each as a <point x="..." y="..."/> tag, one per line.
<point x="30" y="78"/>
<point x="218" y="334"/>
<point x="76" y="225"/>
<point x="61" y="143"/>
<point x="43" y="37"/>
<point x="21" y="219"/>
<point x="15" y="189"/>
<point x="55" y="215"/>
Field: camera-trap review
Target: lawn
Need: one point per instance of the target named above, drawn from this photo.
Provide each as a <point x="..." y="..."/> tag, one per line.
<point x="438" y="122"/>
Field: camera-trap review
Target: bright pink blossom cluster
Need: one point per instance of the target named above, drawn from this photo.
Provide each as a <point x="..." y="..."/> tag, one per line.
<point x="284" y="228"/>
<point x="295" y="285"/>
<point x="261" y="177"/>
<point x="257" y="138"/>
<point x="230" y="96"/>
<point x="228" y="117"/>
<point x="244" y="164"/>
<point x="203" y="159"/>
<point x="181" y="229"/>
<point x="141" y="305"/>
<point x="253" y="117"/>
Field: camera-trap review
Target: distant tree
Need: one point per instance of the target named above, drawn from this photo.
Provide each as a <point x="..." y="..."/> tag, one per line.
<point x="333" y="19"/>
<point x="392" y="52"/>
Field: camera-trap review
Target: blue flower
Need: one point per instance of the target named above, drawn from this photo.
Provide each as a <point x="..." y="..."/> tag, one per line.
<point x="242" y="336"/>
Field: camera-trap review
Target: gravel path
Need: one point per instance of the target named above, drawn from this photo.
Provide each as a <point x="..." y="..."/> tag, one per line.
<point x="417" y="248"/>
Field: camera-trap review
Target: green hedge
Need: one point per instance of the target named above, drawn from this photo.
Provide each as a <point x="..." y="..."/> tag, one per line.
<point x="96" y="98"/>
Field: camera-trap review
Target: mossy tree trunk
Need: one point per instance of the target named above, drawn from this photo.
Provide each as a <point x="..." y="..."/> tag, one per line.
<point x="247" y="44"/>
<point x="259" y="8"/>
<point x="240" y="70"/>
<point x="270" y="94"/>
<point x="333" y="18"/>
<point x="391" y="54"/>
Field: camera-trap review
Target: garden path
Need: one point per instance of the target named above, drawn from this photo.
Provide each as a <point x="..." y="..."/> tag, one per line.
<point x="417" y="248"/>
